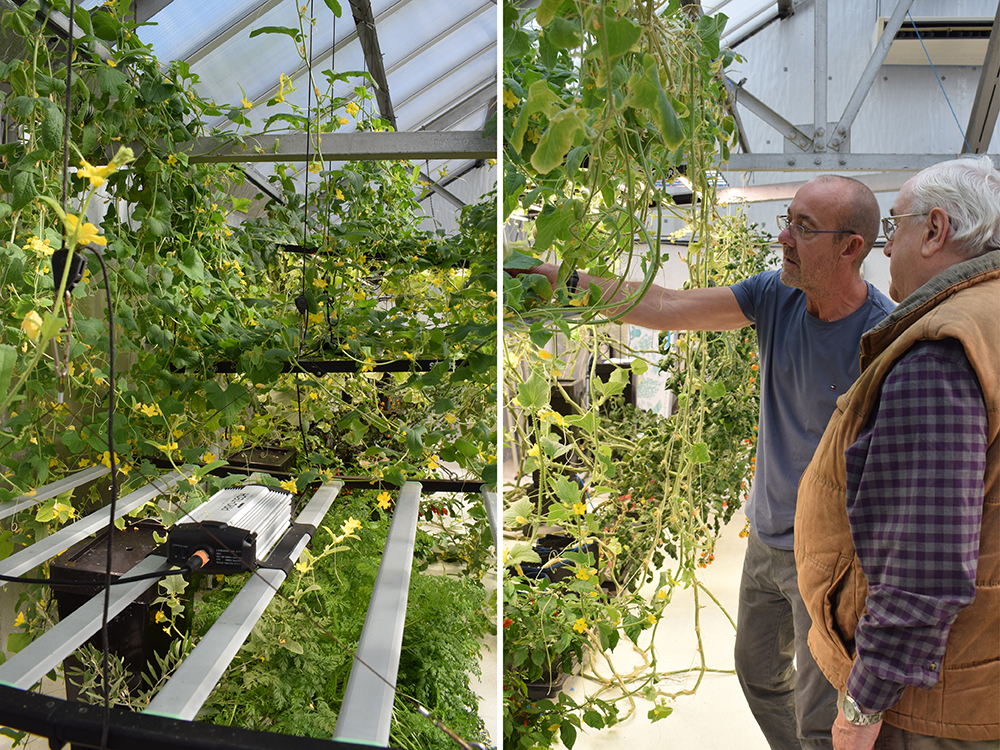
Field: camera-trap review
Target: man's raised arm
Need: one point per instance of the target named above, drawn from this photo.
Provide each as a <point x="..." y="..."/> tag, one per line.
<point x="712" y="309"/>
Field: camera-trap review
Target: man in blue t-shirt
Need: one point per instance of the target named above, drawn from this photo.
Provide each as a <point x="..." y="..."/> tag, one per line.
<point x="809" y="317"/>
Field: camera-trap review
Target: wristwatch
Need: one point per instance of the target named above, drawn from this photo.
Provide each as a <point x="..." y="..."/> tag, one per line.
<point x="854" y="714"/>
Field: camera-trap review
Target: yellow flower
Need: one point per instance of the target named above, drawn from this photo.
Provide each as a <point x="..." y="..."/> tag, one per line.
<point x="150" y="410"/>
<point x="112" y="63"/>
<point x="521" y="520"/>
<point x="450" y="418"/>
<point x="39" y="247"/>
<point x="289" y="484"/>
<point x="584" y="574"/>
<point x="534" y="451"/>
<point x="509" y="99"/>
<point x="661" y="594"/>
<point x="532" y="135"/>
<point x="432" y="462"/>
<point x="172" y="161"/>
<point x="97" y="175"/>
<point x="32" y="325"/>
<point x="342" y="120"/>
<point x="19" y="620"/>
<point x="580" y="509"/>
<point x="338" y="195"/>
<point x="350" y="525"/>
<point x="352" y="108"/>
<point x="315" y="167"/>
<point x="236" y="441"/>
<point x="320" y="283"/>
<point x="246" y="104"/>
<point x="368" y="365"/>
<point x="160" y="617"/>
<point x="542" y="354"/>
<point x="384" y="498"/>
<point x="581" y="625"/>
<point x="651" y="619"/>
<point x="86" y="234"/>
<point x="208" y="457"/>
<point x="168" y="447"/>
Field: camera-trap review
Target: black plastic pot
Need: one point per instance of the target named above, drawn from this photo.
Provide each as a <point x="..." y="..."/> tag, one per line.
<point x="78" y="263"/>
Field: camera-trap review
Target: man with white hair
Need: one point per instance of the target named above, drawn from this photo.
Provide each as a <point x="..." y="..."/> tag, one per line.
<point x="897" y="526"/>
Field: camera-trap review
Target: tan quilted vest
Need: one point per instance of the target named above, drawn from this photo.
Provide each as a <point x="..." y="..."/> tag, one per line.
<point x="961" y="303"/>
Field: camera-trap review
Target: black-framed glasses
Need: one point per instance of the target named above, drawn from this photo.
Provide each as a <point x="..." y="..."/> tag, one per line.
<point x="800" y="232"/>
<point x="891" y="223"/>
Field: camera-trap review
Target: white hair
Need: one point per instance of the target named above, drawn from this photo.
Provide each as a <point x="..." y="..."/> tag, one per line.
<point x="968" y="190"/>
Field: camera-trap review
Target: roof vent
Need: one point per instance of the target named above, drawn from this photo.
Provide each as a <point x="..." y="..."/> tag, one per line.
<point x="949" y="41"/>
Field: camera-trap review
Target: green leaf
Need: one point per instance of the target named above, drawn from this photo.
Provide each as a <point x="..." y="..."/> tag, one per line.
<point x="24" y="189"/>
<point x="522" y="508"/>
<point x="515" y="44"/>
<point x="539" y="334"/>
<point x="567" y="733"/>
<point x="639" y="366"/>
<point x="111" y="80"/>
<point x="546" y="11"/>
<point x="72" y="441"/>
<point x="334" y="6"/>
<point x="557" y="140"/>
<point x="541" y="99"/>
<point x="415" y="440"/>
<point x="8" y="359"/>
<point x="158" y="337"/>
<point x="716" y="389"/>
<point x="520" y="552"/>
<point x="567" y="490"/>
<point x="18" y="641"/>
<point x="622" y="34"/>
<point x="554" y="222"/>
<point x="192" y="265"/>
<point x="293" y="33"/>
<point x="698" y="454"/>
<point x="647" y="93"/>
<point x="564" y="33"/>
<point x="533" y="393"/>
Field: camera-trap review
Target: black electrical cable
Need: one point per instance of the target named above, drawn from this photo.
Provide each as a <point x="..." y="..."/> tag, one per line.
<point x="189" y="567"/>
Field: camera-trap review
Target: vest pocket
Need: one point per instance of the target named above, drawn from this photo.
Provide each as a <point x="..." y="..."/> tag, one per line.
<point x="840" y="611"/>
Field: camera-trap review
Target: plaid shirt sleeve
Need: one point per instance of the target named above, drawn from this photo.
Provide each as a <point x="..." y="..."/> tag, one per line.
<point x="915" y="486"/>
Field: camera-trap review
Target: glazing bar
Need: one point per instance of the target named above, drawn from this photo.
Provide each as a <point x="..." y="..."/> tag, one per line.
<point x="58" y="487"/>
<point x="25" y="668"/>
<point x="52" y="545"/>
<point x="189" y="688"/>
<point x="366" y="712"/>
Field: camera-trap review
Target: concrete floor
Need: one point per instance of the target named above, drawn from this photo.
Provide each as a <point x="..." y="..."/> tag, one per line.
<point x="716" y="716"/>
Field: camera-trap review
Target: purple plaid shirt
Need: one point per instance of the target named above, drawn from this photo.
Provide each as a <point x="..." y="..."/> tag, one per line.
<point x="915" y="501"/>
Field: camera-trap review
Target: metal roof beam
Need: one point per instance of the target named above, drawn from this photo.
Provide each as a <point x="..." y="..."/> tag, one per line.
<point x="461" y="109"/>
<point x="983" y="117"/>
<point x="772" y="118"/>
<point x="438" y="188"/>
<point x="868" y="76"/>
<point x="359" y="146"/>
<point x="146" y="9"/>
<point x="364" y="19"/>
<point x="836" y="162"/>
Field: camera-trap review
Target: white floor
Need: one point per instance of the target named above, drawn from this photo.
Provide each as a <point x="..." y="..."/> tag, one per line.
<point x="716" y="716"/>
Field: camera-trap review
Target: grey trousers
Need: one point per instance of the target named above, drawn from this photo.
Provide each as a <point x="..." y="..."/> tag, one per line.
<point x="891" y="738"/>
<point x="793" y="703"/>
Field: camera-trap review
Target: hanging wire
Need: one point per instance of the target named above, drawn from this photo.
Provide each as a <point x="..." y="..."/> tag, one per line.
<point x="304" y="307"/>
<point x="920" y="39"/>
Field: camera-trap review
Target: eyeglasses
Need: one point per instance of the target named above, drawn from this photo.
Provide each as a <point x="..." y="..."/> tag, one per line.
<point x="891" y="223"/>
<point x="800" y="232"/>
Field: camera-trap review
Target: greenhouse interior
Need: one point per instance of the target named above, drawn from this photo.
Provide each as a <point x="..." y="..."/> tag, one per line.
<point x="652" y="145"/>
<point x="277" y="471"/>
<point x="249" y="419"/>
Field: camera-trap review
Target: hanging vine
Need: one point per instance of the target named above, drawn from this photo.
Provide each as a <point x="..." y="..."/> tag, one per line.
<point x="605" y="105"/>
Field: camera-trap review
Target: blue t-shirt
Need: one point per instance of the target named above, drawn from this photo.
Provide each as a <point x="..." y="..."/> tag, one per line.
<point x="805" y="365"/>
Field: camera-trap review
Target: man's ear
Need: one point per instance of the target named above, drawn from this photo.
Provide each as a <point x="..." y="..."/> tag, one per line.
<point x="853" y="248"/>
<point x="936" y="233"/>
